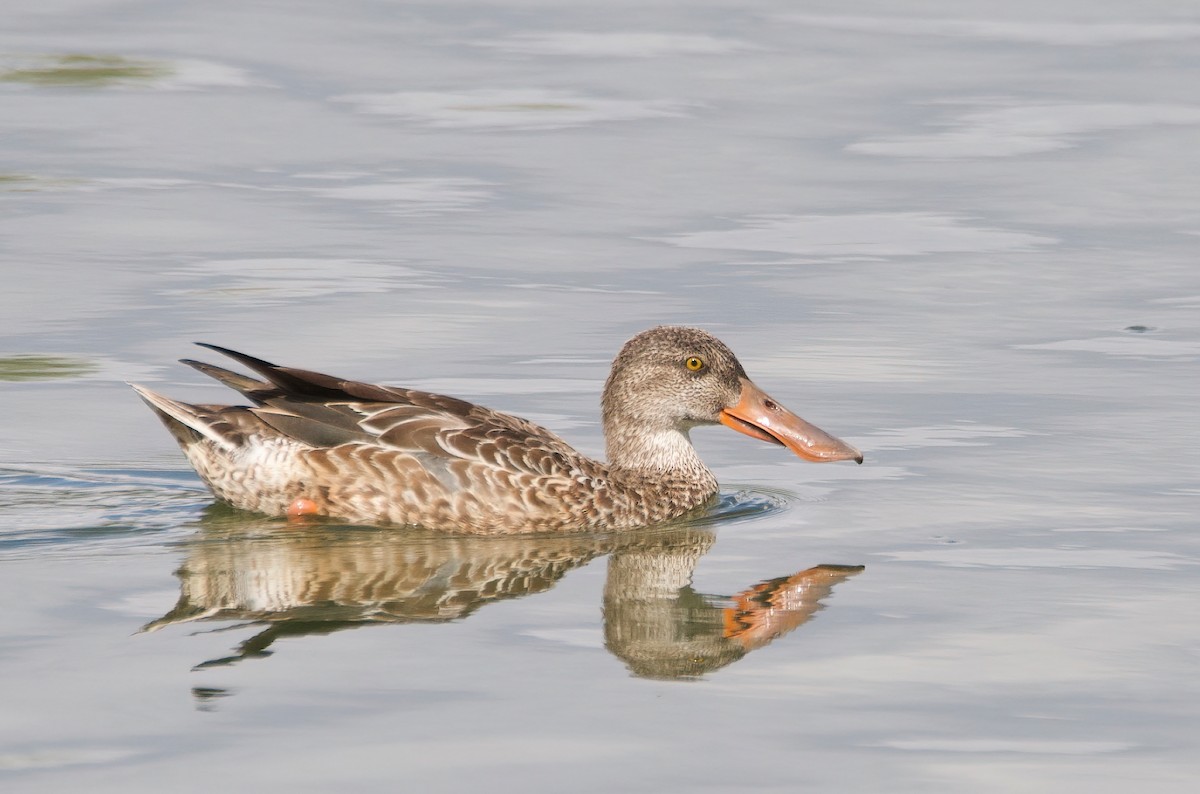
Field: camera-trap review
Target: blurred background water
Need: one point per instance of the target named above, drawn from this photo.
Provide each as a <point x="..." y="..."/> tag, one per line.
<point x="961" y="235"/>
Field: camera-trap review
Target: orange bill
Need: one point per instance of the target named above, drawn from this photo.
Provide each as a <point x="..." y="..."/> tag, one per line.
<point x="757" y="415"/>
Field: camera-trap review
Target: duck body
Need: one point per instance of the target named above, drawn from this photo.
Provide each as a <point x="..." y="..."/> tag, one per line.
<point x="315" y="444"/>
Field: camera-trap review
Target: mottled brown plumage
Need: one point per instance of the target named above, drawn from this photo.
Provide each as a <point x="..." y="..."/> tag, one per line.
<point x="313" y="443"/>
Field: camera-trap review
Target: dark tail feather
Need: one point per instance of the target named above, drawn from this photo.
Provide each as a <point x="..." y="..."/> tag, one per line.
<point x="298" y="382"/>
<point x="264" y="368"/>
<point x="233" y="380"/>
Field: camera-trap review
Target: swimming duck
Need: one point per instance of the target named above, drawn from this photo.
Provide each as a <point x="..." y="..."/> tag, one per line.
<point x="313" y="444"/>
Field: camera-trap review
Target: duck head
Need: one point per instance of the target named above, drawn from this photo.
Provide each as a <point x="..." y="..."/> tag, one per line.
<point x="669" y="379"/>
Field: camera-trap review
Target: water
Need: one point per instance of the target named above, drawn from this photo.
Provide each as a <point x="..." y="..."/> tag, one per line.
<point x="961" y="236"/>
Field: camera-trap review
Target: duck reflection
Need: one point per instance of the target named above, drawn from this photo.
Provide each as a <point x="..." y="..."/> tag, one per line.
<point x="661" y="627"/>
<point x="317" y="580"/>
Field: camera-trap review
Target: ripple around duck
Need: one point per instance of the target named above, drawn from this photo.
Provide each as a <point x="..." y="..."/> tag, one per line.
<point x="107" y="511"/>
<point x="90" y="512"/>
<point x="744" y="504"/>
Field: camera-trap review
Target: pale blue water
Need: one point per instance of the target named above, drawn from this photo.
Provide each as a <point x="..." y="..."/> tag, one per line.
<point x="962" y="236"/>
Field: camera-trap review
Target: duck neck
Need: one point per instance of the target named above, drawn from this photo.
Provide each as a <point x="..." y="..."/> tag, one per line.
<point x="657" y="451"/>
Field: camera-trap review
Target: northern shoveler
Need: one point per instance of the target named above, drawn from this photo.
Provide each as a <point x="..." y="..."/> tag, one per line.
<point x="313" y="444"/>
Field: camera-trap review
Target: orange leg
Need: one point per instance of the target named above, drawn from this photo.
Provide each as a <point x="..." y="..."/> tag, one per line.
<point x="303" y="507"/>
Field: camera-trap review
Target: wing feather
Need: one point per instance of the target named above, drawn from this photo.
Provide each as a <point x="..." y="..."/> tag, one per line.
<point x="324" y="411"/>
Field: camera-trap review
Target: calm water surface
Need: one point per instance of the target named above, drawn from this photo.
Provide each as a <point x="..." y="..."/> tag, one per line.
<point x="962" y="236"/>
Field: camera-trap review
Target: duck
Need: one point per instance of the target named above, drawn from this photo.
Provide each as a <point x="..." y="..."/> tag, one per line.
<point x="312" y="444"/>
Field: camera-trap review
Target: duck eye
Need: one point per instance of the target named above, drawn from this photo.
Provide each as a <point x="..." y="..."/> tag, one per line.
<point x="694" y="363"/>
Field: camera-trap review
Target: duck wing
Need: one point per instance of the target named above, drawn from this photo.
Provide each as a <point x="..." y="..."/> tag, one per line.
<point x="325" y="411"/>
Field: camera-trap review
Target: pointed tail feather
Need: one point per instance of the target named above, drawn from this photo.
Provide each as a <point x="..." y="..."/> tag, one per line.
<point x="189" y="423"/>
<point x="257" y="364"/>
<point x="298" y="384"/>
<point x="233" y="380"/>
<point x="291" y="381"/>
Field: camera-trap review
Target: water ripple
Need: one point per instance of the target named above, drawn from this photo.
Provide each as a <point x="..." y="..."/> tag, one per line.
<point x="742" y="505"/>
<point x="88" y="511"/>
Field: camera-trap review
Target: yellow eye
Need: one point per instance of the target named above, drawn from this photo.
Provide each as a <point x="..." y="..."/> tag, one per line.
<point x="694" y="363"/>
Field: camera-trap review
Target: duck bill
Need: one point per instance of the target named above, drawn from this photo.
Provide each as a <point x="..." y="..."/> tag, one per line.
<point x="761" y="417"/>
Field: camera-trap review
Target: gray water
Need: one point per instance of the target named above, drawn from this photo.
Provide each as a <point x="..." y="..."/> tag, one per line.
<point x="960" y="235"/>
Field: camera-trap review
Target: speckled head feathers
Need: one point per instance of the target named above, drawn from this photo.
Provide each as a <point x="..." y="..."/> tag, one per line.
<point x="672" y="376"/>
